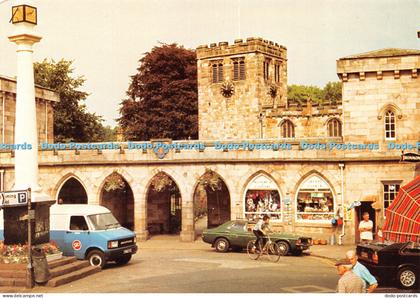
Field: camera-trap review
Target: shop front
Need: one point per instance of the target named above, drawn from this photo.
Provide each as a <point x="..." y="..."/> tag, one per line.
<point x="262" y="197"/>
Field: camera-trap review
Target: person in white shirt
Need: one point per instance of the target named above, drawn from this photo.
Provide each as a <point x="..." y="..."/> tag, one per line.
<point x="259" y="231"/>
<point x="365" y="229"/>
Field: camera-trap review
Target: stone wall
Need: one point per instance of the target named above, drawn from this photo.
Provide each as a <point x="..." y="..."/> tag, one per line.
<point x="362" y="179"/>
<point x="44" y="109"/>
<point x="371" y="86"/>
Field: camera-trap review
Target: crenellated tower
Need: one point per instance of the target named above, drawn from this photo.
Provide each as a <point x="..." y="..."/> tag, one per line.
<point x="237" y="83"/>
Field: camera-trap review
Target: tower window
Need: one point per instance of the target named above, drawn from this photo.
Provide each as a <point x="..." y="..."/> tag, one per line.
<point x="266" y="69"/>
<point x="389" y="125"/>
<point x="277" y="73"/>
<point x="287" y="129"/>
<point x="217" y="72"/>
<point x="239" y="69"/>
<point x="334" y="128"/>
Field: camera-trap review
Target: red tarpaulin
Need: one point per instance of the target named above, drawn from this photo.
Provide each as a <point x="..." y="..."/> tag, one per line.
<point x="402" y="222"/>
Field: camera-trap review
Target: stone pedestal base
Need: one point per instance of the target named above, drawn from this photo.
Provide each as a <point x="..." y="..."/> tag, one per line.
<point x="16" y="226"/>
<point x="142" y="235"/>
<point x="187" y="236"/>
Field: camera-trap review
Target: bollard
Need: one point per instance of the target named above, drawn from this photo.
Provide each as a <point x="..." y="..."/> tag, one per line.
<point x="40" y="265"/>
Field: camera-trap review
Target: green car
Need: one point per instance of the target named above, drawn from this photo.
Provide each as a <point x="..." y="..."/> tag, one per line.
<point x="236" y="234"/>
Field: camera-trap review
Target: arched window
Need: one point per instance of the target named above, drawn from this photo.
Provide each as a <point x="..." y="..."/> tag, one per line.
<point x="287" y="129"/>
<point x="389" y="121"/>
<point x="262" y="197"/>
<point x="334" y="128"/>
<point x="314" y="201"/>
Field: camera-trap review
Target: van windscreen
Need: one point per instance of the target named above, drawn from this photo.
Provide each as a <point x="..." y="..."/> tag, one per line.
<point x="103" y="221"/>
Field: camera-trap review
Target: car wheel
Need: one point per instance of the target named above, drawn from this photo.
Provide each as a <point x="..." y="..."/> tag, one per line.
<point x="407" y="277"/>
<point x="284" y="247"/>
<point x="96" y="258"/>
<point x="123" y="260"/>
<point x="221" y="245"/>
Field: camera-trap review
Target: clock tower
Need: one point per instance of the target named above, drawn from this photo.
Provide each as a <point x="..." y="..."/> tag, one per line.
<point x="237" y="85"/>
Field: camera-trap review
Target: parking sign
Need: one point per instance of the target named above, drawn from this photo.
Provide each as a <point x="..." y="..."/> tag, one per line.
<point x="14" y="198"/>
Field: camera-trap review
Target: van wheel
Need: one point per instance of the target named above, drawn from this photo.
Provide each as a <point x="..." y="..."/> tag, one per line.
<point x="123" y="260"/>
<point x="96" y="258"/>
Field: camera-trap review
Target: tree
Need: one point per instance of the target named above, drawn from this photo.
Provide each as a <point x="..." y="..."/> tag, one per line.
<point x="162" y="97"/>
<point x="71" y="120"/>
<point x="333" y="92"/>
<point x="300" y="94"/>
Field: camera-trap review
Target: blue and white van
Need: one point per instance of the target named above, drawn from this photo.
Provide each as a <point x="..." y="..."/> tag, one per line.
<point x="89" y="232"/>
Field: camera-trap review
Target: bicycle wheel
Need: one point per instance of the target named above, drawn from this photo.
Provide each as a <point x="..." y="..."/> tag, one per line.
<point x="252" y="250"/>
<point x="273" y="252"/>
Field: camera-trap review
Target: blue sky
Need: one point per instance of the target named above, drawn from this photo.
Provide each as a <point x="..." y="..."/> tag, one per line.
<point x="106" y="38"/>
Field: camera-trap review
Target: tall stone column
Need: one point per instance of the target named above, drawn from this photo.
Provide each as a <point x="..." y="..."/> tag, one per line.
<point x="26" y="137"/>
<point x="26" y="158"/>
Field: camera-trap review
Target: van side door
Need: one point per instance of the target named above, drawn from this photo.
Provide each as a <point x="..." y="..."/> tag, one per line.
<point x="77" y="238"/>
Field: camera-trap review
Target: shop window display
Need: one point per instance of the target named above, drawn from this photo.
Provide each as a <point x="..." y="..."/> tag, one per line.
<point x="262" y="197"/>
<point x="315" y="201"/>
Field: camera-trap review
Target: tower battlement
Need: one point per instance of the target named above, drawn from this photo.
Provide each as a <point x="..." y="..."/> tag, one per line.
<point x="236" y="84"/>
<point x="240" y="46"/>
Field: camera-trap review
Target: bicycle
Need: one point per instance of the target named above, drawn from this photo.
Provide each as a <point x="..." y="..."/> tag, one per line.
<point x="271" y="249"/>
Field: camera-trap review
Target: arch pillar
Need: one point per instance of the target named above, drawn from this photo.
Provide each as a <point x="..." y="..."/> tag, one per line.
<point x="187" y="228"/>
<point x="140" y="211"/>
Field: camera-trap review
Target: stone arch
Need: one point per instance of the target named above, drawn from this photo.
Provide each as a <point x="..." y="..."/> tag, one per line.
<point x="273" y="194"/>
<point x="163" y="206"/>
<point x="290" y="128"/>
<point x="118" y="198"/>
<point x="287" y="119"/>
<point x="325" y="198"/>
<point x="309" y="170"/>
<point x="71" y="190"/>
<point x="126" y="175"/>
<point x="390" y="107"/>
<point x="212" y="207"/>
<point x="331" y="119"/>
<point x="339" y="128"/>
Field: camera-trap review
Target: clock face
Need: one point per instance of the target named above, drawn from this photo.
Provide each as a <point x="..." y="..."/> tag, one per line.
<point x="30" y="14"/>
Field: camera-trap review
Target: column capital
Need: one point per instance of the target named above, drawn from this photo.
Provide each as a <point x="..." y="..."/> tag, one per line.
<point x="25" y="39"/>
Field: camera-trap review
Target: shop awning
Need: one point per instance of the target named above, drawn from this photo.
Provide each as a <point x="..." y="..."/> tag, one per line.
<point x="402" y="222"/>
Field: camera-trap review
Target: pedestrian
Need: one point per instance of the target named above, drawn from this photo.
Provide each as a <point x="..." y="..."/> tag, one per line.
<point x="361" y="271"/>
<point x="348" y="282"/>
<point x="365" y="229"/>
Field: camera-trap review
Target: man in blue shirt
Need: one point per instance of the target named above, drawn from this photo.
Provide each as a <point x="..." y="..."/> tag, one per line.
<point x="361" y="271"/>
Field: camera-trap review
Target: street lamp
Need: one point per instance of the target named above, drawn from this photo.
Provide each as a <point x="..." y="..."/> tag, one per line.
<point x="24" y="19"/>
<point x="24" y="13"/>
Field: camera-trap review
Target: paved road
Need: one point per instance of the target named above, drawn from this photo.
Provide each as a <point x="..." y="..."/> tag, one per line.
<point x="165" y="265"/>
<point x="205" y="271"/>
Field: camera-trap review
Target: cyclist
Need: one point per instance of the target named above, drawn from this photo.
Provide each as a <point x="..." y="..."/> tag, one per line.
<point x="259" y="230"/>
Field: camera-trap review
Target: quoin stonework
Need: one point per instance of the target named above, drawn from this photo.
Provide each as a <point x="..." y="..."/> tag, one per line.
<point x="304" y="164"/>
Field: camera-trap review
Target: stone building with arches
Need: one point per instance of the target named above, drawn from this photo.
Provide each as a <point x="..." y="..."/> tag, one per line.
<point x="336" y="154"/>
